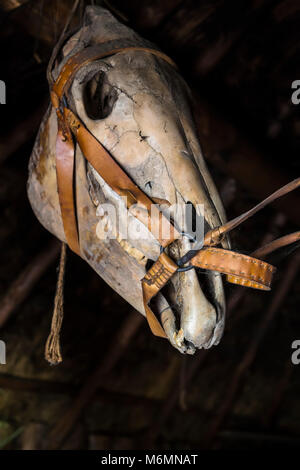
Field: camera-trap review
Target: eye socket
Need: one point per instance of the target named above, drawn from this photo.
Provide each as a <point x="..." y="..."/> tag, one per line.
<point x="99" y="97"/>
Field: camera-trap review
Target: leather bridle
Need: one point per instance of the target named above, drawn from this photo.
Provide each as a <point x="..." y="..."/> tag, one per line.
<point x="239" y="268"/>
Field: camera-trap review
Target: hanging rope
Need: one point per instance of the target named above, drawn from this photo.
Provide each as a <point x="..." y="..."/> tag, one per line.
<point x="52" y="349"/>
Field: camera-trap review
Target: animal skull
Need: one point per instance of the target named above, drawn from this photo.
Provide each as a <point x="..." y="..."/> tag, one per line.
<point x="137" y="106"/>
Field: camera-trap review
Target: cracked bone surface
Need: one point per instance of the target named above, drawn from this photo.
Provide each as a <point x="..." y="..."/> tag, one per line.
<point x="137" y="106"/>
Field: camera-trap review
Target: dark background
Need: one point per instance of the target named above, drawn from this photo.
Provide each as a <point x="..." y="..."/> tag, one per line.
<point x="119" y="387"/>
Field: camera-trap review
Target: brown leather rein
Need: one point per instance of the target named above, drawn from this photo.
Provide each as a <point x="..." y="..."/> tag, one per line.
<point x="239" y="268"/>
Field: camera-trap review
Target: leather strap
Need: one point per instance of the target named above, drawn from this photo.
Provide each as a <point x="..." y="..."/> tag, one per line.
<point x="239" y="269"/>
<point x="215" y="236"/>
<point x="155" y="279"/>
<point x="276" y="244"/>
<point x="64" y="174"/>
<point x="119" y="181"/>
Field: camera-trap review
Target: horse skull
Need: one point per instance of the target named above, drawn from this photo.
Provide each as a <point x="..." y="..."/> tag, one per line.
<point x="137" y="106"/>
